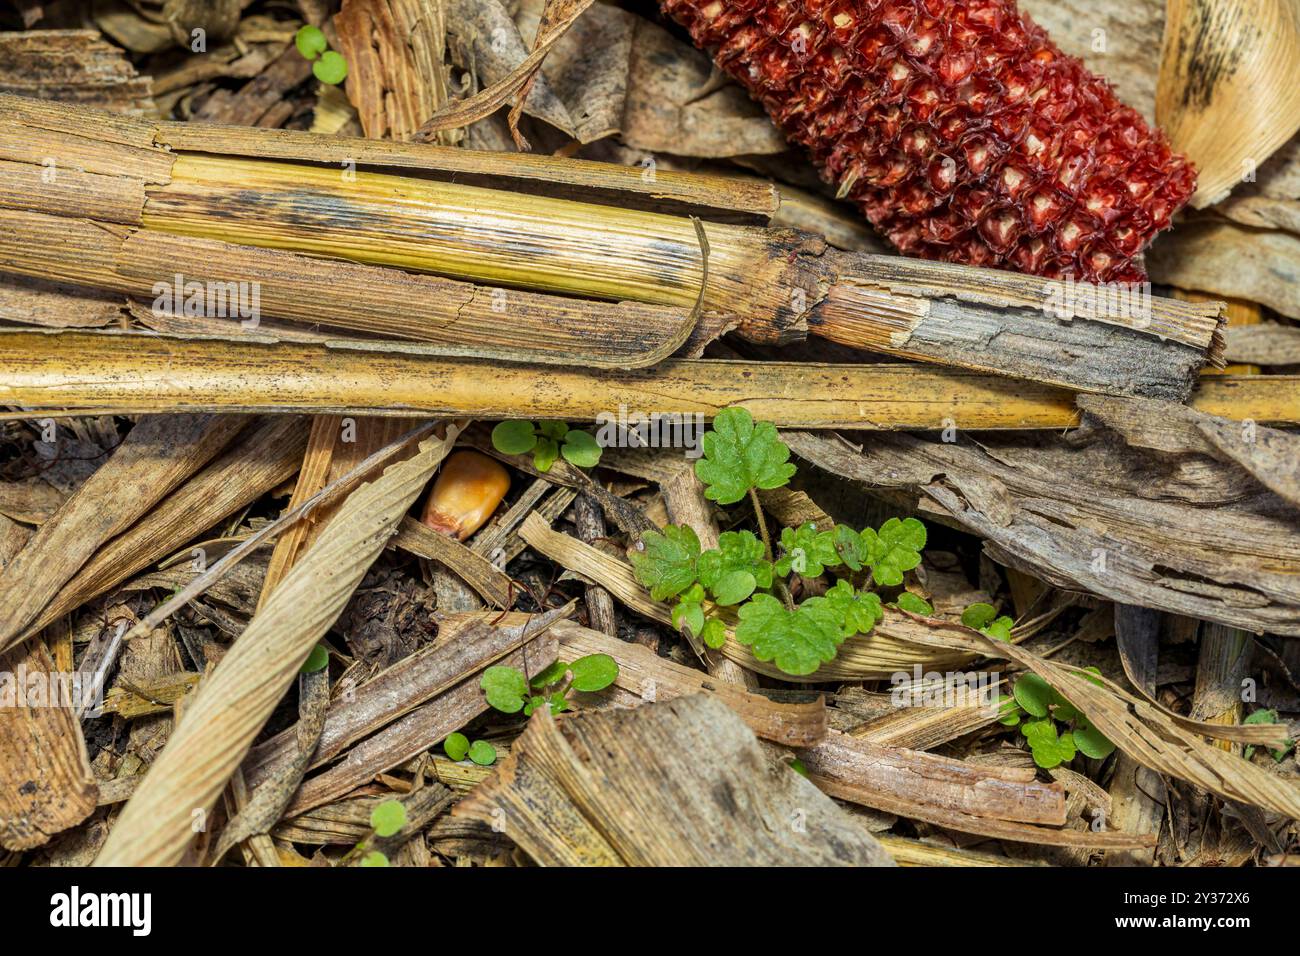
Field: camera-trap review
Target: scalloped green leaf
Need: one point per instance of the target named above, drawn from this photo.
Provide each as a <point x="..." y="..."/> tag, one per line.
<point x="666" y="561"/>
<point x="894" y="549"/>
<point x="581" y="449"/>
<point x="506" y="688"/>
<point x="740" y="454"/>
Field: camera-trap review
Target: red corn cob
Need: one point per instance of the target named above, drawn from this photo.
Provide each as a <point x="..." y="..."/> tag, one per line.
<point x="958" y="127"/>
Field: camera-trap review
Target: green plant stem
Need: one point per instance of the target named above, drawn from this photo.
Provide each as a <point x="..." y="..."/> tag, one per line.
<point x="782" y="591"/>
<point x="762" y="524"/>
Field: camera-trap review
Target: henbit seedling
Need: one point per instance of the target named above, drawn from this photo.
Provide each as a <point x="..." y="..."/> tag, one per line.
<point x="1266" y="716"/>
<point x="548" y="441"/>
<point x="328" y="66"/>
<point x="742" y="457"/>
<point x="509" y="691"/>
<point x="984" y="618"/>
<point x="1051" y="745"/>
<point x="387" y="819"/>
<point x="317" y="660"/>
<point x="458" y="748"/>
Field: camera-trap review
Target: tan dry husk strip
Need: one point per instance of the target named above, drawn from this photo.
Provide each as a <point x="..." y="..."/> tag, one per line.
<point x="233" y="703"/>
<point x="1153" y="736"/>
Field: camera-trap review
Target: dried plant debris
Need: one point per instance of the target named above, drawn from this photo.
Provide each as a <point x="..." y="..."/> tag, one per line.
<point x="586" y="791"/>
<point x="573" y="477"/>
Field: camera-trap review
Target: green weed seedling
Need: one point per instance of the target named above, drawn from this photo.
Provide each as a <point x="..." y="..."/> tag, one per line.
<point x="740" y="458"/>
<point x="548" y="441"/>
<point x="1055" y="730"/>
<point x="509" y="691"/>
<point x="386" y="820"/>
<point x="328" y="66"/>
<point x="1265" y="716"/>
<point x="984" y="618"/>
<point x="458" y="747"/>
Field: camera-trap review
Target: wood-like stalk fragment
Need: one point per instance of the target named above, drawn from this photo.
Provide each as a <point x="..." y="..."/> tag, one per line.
<point x="487" y="236"/>
<point x="135" y="373"/>
<point x="237" y="208"/>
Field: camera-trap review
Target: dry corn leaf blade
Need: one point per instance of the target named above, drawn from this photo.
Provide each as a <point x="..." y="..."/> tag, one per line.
<point x="156" y="456"/>
<point x="588" y="67"/>
<point x="1153" y="736"/>
<point x="265" y="454"/>
<point x="46" y="785"/>
<point x="671" y="107"/>
<point x="682" y="783"/>
<point x="414" y="733"/>
<point x="1231" y="260"/>
<point x="403" y="687"/>
<point x="266" y="804"/>
<point x="234" y="702"/>
<point x="562" y="14"/>
<point x="1268" y="343"/>
<point x="1227" y="93"/>
<point x="1004" y="803"/>
<point x="645" y="676"/>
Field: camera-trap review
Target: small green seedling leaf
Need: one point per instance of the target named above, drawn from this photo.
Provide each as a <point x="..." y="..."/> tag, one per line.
<point x="733" y="587"/>
<point x="849" y="547"/>
<point x="858" y="612"/>
<point x="545" y="454"/>
<point x="714" y="633"/>
<point x="798" y="641"/>
<point x="909" y="602"/>
<point x="482" y="753"/>
<point x="456" y="746"/>
<point x="550" y="675"/>
<point x="735" y="568"/>
<point x="553" y="430"/>
<point x="740" y="455"/>
<point x="894" y="549"/>
<point x="595" y="672"/>
<point x="689" y="611"/>
<point x="374" y="858"/>
<point x="310" y="42"/>
<point x="1000" y="629"/>
<point x="1267" y="716"/>
<point x="979" y="615"/>
<point x="514" y="438"/>
<point x="984" y="618"/>
<point x="1049" y="750"/>
<point x="666" y="562"/>
<point x="1009" y="712"/>
<point x="798" y="766"/>
<point x="581" y="449"/>
<point x="505" y="687"/>
<point x="537" y="700"/>
<point x="317" y="660"/>
<point x="1092" y="742"/>
<point x="806" y="551"/>
<point x="331" y="69"/>
<point x="388" y="818"/>
<point x="1033" y="694"/>
<point x="557" y="703"/>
